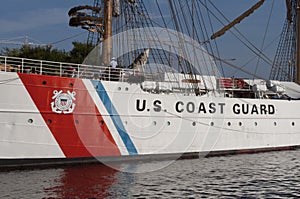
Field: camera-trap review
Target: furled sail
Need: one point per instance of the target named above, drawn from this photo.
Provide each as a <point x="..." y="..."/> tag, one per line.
<point x="117" y="8"/>
<point x="141" y="60"/>
<point x="237" y="20"/>
<point x="82" y="16"/>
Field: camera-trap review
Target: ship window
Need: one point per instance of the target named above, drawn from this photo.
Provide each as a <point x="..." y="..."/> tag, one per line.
<point x="76" y="122"/>
<point x="126" y="89"/>
<point x="169" y="123"/>
<point x="44" y="82"/>
<point x="154" y="123"/>
<point x="119" y="88"/>
<point x="194" y="123"/>
<point x="275" y="123"/>
<point x="229" y="123"/>
<point x="71" y="84"/>
<point x="255" y="123"/>
<point x="49" y="121"/>
<point x="30" y="121"/>
<point x="240" y="123"/>
<point x="293" y="123"/>
<point x="212" y="124"/>
<point x="101" y="122"/>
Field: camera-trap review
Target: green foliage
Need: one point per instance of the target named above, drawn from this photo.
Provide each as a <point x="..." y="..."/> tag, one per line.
<point x="76" y="55"/>
<point x="79" y="52"/>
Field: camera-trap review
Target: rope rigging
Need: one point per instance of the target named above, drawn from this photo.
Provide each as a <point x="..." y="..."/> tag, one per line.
<point x="284" y="65"/>
<point x="194" y="18"/>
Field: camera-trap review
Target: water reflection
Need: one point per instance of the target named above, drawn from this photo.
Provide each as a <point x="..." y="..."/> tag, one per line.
<point x="89" y="181"/>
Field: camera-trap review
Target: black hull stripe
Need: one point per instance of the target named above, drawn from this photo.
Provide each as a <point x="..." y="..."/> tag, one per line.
<point x="12" y="164"/>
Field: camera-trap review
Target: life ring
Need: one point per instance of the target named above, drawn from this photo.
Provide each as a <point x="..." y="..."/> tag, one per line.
<point x="240" y="83"/>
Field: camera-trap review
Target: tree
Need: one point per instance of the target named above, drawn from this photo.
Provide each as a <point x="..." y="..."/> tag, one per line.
<point x="79" y="52"/>
<point x="76" y="55"/>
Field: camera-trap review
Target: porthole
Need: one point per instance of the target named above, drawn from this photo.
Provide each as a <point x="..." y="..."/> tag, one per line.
<point x="212" y="124"/>
<point x="255" y="124"/>
<point x="49" y="121"/>
<point x="168" y="123"/>
<point x="229" y="123"/>
<point x="101" y="122"/>
<point x="154" y="123"/>
<point x="30" y="121"/>
<point x="293" y="123"/>
<point x="76" y="122"/>
<point x="44" y="82"/>
<point x="194" y="123"/>
<point x="71" y="85"/>
<point x="126" y="89"/>
<point x="119" y="88"/>
<point x="240" y="124"/>
<point x="275" y="123"/>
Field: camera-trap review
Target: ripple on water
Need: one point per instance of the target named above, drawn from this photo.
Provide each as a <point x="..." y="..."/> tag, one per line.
<point x="265" y="175"/>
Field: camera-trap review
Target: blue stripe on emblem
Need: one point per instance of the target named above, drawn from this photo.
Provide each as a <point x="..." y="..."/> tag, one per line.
<point x="114" y="116"/>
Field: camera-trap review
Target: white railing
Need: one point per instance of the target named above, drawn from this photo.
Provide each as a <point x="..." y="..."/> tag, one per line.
<point x="42" y="67"/>
<point x="163" y="81"/>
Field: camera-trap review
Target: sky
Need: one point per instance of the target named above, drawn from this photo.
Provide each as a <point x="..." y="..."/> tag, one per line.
<point x="43" y="21"/>
<point x="46" y="22"/>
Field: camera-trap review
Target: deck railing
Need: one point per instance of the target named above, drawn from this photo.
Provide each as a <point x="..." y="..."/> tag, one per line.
<point x="167" y="81"/>
<point x="62" y="69"/>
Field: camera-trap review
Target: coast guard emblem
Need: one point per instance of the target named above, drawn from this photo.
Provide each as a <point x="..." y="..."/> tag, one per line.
<point x="63" y="102"/>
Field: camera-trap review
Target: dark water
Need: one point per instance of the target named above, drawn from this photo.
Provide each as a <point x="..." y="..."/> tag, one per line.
<point x="265" y="175"/>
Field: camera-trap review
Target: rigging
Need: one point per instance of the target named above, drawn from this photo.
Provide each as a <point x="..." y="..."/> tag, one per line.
<point x="284" y="65"/>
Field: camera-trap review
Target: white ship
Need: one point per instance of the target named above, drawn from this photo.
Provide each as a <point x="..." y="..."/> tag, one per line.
<point x="58" y="113"/>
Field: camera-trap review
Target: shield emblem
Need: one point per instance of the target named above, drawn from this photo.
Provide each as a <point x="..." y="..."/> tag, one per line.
<point x="63" y="102"/>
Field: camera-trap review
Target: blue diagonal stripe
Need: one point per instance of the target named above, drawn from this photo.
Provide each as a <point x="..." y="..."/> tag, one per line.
<point x="114" y="116"/>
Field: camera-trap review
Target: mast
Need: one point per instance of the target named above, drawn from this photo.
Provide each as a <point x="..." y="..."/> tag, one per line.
<point x="107" y="45"/>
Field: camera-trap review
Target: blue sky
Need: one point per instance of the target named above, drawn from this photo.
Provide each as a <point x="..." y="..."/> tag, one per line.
<point x="46" y="21"/>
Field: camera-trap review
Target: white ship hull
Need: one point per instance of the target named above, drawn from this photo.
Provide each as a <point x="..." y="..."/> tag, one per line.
<point x="119" y="120"/>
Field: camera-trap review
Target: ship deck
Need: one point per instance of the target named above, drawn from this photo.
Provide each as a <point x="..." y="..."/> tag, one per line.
<point x="156" y="82"/>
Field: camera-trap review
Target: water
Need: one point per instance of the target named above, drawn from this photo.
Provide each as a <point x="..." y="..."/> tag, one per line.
<point x="264" y="175"/>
